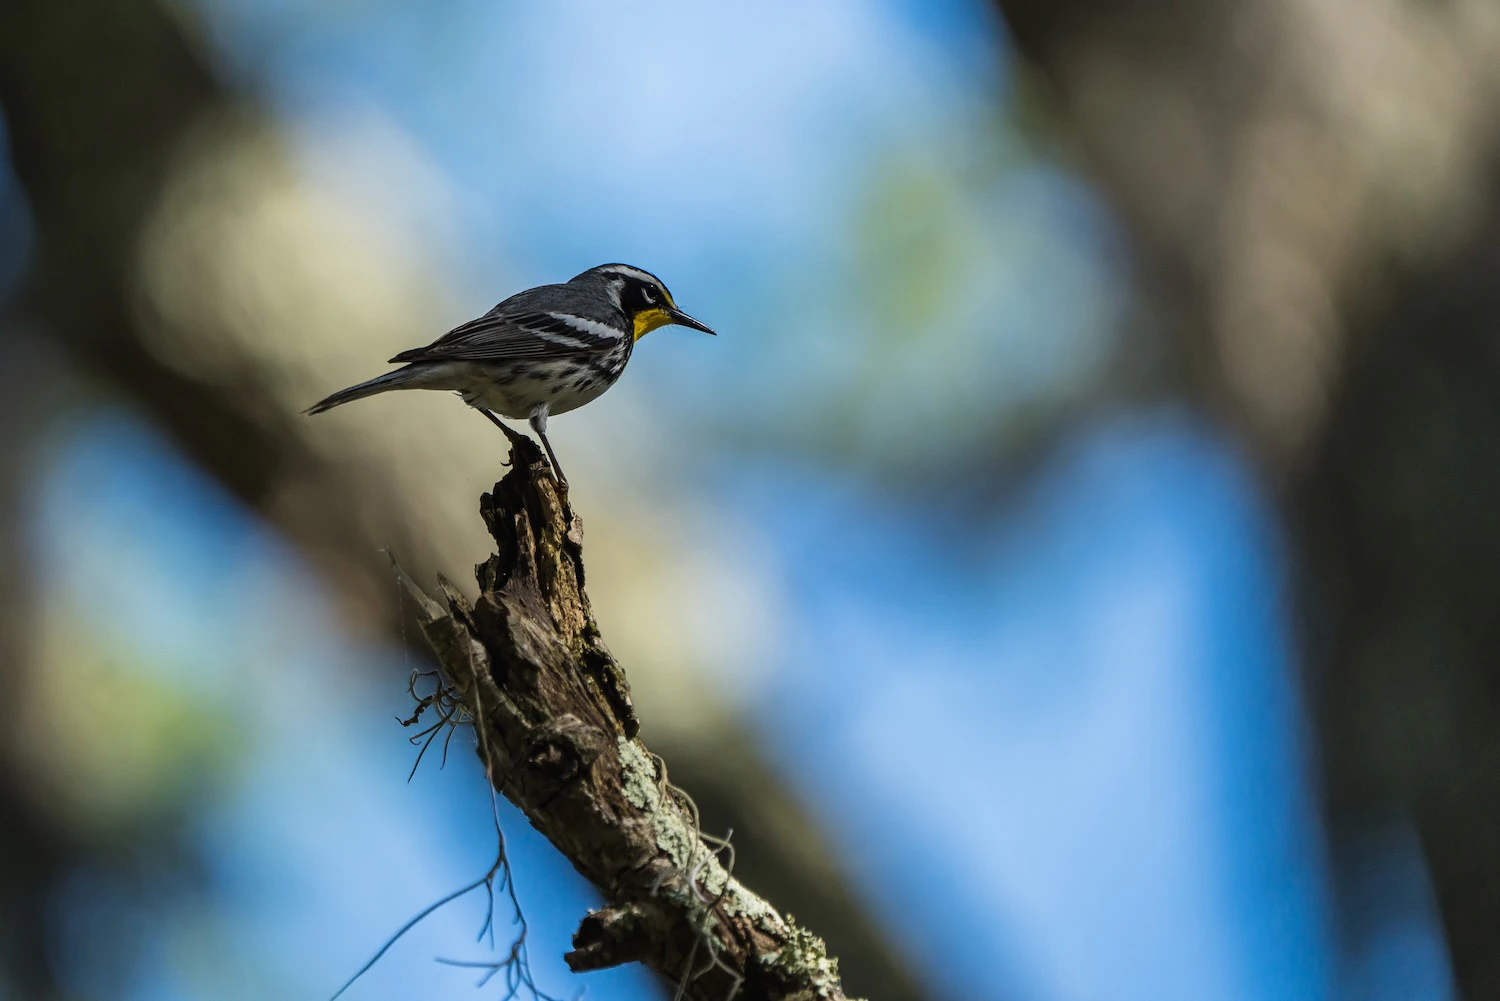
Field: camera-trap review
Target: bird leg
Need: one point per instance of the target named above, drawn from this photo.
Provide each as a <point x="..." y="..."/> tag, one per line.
<point x="515" y="436"/>
<point x="539" y="425"/>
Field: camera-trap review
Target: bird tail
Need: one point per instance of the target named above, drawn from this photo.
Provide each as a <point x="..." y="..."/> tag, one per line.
<point x="409" y="377"/>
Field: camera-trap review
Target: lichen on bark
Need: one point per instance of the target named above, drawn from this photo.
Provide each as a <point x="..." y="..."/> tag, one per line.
<point x="557" y="733"/>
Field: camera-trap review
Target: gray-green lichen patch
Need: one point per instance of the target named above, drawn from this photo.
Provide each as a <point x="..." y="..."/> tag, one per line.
<point x="752" y="908"/>
<point x="639" y="775"/>
<point x="805" y="959"/>
<point x="802" y="959"/>
<point x="674" y="836"/>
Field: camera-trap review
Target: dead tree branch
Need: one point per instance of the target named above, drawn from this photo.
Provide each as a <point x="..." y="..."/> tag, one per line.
<point x="557" y="735"/>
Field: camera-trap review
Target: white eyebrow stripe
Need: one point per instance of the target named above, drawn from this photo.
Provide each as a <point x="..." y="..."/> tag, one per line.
<point x="636" y="273"/>
<point x="584" y="325"/>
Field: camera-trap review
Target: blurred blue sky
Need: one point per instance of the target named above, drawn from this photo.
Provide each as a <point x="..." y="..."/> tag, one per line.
<point x="1061" y="722"/>
<point x="1057" y="738"/>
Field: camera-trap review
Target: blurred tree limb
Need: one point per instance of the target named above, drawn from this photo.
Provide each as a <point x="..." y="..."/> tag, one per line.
<point x="557" y="733"/>
<point x="1312" y="190"/>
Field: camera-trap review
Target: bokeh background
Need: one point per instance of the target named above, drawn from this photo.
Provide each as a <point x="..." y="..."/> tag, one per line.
<point x="1072" y="573"/>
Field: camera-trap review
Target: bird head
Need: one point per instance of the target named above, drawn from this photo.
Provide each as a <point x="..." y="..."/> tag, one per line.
<point x="642" y="297"/>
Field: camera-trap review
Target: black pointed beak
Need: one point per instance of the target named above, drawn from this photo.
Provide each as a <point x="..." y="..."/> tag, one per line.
<point x="683" y="320"/>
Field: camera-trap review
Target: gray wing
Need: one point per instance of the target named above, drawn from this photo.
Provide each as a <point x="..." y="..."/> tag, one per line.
<point x="504" y="333"/>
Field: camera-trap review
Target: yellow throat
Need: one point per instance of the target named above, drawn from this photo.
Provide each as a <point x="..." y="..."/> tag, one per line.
<point x="648" y="320"/>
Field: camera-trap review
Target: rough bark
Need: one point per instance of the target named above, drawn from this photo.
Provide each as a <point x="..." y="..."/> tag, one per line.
<point x="557" y="733"/>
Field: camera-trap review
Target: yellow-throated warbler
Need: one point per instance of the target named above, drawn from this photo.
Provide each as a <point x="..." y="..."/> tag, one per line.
<point x="544" y="351"/>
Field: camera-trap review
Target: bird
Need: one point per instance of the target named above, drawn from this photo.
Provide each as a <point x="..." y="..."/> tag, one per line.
<point x="540" y="353"/>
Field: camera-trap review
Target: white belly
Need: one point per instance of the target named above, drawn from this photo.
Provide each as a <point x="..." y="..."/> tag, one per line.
<point x="518" y="391"/>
